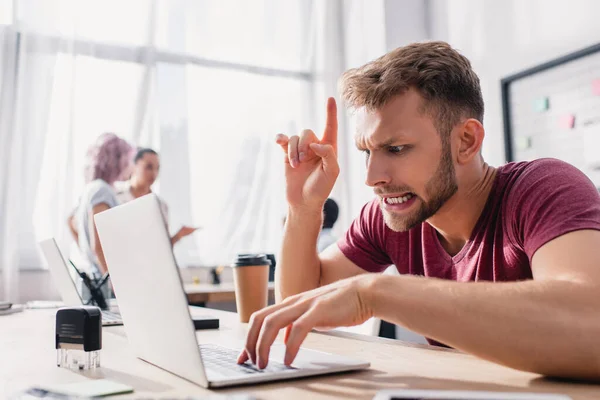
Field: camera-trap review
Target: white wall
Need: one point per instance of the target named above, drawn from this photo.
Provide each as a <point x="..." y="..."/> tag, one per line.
<point x="406" y="21"/>
<point x="501" y="37"/>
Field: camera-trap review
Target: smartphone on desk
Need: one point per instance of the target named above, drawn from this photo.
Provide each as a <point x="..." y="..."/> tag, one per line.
<point x="410" y="394"/>
<point x="205" y="322"/>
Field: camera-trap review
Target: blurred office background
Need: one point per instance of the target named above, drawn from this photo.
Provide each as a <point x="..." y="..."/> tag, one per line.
<point x="208" y="84"/>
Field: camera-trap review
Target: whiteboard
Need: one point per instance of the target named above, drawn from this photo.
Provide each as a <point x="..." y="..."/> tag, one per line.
<point x="553" y="110"/>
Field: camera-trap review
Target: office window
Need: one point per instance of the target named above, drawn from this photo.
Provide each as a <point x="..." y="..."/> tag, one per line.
<point x="90" y="96"/>
<point x="6" y="12"/>
<point x="267" y="33"/>
<point x="236" y="167"/>
<point x="207" y="84"/>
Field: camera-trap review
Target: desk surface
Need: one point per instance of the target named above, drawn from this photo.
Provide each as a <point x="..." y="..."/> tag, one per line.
<point x="29" y="358"/>
<point x="207" y="292"/>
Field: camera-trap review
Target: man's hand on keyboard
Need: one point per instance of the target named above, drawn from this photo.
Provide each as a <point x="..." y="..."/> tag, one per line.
<point x="343" y="303"/>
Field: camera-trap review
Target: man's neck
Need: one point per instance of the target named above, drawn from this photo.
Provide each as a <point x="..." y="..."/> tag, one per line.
<point x="455" y="221"/>
<point x="138" y="190"/>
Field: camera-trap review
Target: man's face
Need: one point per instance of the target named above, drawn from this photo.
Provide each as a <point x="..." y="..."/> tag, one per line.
<point x="147" y="168"/>
<point x="408" y="167"/>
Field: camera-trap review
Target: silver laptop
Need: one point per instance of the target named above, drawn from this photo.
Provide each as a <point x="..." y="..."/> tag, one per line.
<point x="65" y="284"/>
<point x="147" y="283"/>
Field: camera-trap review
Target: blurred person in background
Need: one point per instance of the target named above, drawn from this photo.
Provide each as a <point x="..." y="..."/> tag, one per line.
<point x="330" y="216"/>
<point x="108" y="160"/>
<point x="146" y="166"/>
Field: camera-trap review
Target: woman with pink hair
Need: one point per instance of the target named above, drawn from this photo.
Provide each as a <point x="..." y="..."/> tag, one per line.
<point x="110" y="159"/>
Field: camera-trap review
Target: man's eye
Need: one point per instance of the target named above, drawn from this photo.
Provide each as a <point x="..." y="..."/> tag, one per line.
<point x="395" y="149"/>
<point x="367" y="153"/>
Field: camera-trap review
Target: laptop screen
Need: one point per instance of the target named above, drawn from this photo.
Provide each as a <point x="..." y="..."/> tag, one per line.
<point x="60" y="273"/>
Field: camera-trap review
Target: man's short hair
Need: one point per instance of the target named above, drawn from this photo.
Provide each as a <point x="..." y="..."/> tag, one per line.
<point x="142" y="152"/>
<point x="441" y="75"/>
<point x="330" y="213"/>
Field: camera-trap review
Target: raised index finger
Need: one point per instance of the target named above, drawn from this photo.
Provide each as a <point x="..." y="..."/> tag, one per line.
<point x="331" y="124"/>
<point x="283" y="141"/>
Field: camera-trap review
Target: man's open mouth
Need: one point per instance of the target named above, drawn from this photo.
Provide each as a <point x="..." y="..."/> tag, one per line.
<point x="400" y="199"/>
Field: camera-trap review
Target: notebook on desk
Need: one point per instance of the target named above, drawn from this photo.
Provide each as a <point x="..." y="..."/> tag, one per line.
<point x="65" y="284"/>
<point x="135" y="241"/>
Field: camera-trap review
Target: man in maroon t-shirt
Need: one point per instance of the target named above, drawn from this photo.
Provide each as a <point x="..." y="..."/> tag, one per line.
<point x="503" y="263"/>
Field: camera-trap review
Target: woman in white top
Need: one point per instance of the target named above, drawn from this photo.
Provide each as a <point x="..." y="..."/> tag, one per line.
<point x="108" y="160"/>
<point x="146" y="166"/>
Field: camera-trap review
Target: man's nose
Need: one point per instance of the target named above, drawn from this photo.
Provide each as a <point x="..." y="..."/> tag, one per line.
<point x="377" y="172"/>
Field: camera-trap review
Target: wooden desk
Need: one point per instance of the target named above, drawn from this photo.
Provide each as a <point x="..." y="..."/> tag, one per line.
<point x="29" y="358"/>
<point x="209" y="293"/>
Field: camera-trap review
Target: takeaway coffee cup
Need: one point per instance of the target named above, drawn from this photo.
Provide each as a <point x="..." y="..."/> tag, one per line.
<point x="251" y="277"/>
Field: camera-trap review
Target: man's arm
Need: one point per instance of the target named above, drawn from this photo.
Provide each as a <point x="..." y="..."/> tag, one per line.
<point x="300" y="267"/>
<point x="311" y="169"/>
<point x="96" y="245"/>
<point x="549" y="325"/>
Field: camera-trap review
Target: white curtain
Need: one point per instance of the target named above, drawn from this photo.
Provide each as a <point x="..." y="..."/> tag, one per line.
<point x="349" y="33"/>
<point x="65" y="79"/>
<point x="9" y="145"/>
<point x="207" y="83"/>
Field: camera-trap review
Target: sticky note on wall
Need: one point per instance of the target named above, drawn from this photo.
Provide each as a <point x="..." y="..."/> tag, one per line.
<point x="596" y="87"/>
<point x="541" y="104"/>
<point x="567" y="121"/>
<point x="523" y="143"/>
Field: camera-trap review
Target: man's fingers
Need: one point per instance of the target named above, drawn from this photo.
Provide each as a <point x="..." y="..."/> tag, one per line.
<point x="293" y="151"/>
<point x="306" y="138"/>
<point x="319" y="314"/>
<point x="282" y="140"/>
<point x="298" y="332"/>
<point x="243" y="357"/>
<point x="331" y="124"/>
<point x="256" y="321"/>
<point x="327" y="154"/>
<point x="288" y="329"/>
<point x="284" y="318"/>
<point x="271" y="326"/>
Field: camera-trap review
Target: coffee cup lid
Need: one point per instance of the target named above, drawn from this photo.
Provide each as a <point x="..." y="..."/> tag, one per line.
<point x="244" y="260"/>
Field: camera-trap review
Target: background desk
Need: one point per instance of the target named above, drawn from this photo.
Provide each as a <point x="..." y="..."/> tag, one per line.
<point x="28" y="358"/>
<point x="202" y="293"/>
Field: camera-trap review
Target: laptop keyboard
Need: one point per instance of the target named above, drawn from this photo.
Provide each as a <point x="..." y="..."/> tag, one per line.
<point x="223" y="361"/>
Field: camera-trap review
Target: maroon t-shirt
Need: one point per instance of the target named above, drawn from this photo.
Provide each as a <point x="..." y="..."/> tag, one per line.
<point x="530" y="203"/>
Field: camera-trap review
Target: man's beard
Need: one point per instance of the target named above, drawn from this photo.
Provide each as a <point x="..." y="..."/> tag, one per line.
<point x="439" y="189"/>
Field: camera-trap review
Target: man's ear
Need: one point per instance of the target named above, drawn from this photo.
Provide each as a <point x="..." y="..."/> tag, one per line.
<point x="470" y="136"/>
